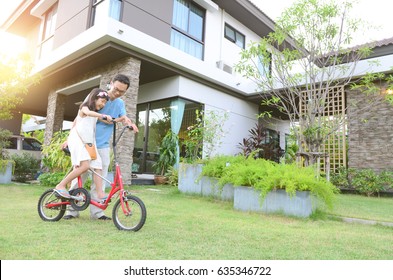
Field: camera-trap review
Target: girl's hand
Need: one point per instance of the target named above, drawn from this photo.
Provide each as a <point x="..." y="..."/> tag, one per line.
<point x="65" y="144"/>
<point x="106" y="118"/>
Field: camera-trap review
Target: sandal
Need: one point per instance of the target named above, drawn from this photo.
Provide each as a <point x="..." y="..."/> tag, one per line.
<point x="102" y="200"/>
<point x="62" y="193"/>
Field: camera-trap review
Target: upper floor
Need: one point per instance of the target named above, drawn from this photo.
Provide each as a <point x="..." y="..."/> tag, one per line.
<point x="199" y="38"/>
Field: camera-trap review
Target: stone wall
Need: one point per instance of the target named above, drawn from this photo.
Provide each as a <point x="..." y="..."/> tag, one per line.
<point x="370" y="132"/>
<point x="54" y="115"/>
<point x="131" y="68"/>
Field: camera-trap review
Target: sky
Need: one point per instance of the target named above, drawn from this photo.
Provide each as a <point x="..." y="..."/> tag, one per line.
<point x="377" y="12"/>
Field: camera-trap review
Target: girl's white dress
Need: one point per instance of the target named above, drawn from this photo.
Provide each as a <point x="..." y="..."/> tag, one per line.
<point x="83" y="132"/>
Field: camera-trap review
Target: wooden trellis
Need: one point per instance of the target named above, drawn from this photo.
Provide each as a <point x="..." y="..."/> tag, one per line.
<point x="334" y="148"/>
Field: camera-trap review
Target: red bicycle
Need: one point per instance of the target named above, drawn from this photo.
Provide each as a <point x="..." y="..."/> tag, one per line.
<point x="129" y="211"/>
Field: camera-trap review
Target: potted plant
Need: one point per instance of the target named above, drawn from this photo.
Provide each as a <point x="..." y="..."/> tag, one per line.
<point x="6" y="165"/>
<point x="167" y="158"/>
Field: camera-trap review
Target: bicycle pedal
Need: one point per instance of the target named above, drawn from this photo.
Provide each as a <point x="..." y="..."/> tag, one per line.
<point x="78" y="198"/>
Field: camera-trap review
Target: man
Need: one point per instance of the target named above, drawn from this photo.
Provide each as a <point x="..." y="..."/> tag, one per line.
<point x="114" y="107"/>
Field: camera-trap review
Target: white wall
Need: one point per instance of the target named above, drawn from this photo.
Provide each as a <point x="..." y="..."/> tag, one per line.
<point x="241" y="114"/>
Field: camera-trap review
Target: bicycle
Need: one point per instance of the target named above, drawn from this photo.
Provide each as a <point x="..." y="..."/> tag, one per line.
<point x="129" y="211"/>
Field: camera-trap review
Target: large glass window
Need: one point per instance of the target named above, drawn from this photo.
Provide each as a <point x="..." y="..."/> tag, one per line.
<point x="105" y="8"/>
<point x="154" y="121"/>
<point x="188" y="28"/>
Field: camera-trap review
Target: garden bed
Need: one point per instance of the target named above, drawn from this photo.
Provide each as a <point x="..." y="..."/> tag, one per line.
<point x="301" y="204"/>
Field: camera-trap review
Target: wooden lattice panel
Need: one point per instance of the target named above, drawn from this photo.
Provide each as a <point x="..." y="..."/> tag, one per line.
<point x="333" y="115"/>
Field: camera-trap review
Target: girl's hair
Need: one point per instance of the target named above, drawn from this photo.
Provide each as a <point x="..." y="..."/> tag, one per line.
<point x="95" y="94"/>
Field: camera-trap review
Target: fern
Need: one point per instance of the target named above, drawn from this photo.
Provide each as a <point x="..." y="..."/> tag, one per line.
<point x="265" y="176"/>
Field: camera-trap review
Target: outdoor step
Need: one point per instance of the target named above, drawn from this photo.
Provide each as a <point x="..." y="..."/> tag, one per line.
<point x="143" y="179"/>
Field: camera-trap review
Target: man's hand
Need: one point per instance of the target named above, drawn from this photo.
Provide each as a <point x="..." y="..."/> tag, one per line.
<point x="134" y="127"/>
<point x="126" y="121"/>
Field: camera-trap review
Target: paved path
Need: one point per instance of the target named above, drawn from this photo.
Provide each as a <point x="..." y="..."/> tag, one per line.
<point x="363" y="221"/>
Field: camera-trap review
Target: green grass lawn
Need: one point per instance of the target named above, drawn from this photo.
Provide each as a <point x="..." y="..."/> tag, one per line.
<point x="187" y="227"/>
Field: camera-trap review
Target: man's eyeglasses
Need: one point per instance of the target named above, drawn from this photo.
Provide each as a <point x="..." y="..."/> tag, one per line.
<point x="118" y="90"/>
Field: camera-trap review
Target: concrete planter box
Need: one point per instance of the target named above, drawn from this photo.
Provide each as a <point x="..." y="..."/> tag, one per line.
<point x="6" y="175"/>
<point x="303" y="204"/>
<point x="211" y="188"/>
<point x="189" y="178"/>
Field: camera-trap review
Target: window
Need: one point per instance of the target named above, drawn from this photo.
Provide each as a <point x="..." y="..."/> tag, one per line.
<point x="188" y="28"/>
<point x="50" y="18"/>
<point x="265" y="66"/>
<point x="105" y="8"/>
<point x="154" y="120"/>
<point x="234" y="36"/>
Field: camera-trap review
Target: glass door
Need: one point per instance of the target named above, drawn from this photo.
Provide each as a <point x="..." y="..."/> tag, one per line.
<point x="154" y="121"/>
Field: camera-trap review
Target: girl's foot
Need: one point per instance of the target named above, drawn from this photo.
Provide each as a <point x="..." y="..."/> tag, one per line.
<point x="62" y="192"/>
<point x="102" y="196"/>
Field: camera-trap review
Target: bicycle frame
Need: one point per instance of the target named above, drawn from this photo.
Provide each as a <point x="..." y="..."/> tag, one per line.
<point x="116" y="185"/>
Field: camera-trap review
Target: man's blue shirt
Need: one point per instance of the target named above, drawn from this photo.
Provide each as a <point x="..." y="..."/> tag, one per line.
<point x="115" y="109"/>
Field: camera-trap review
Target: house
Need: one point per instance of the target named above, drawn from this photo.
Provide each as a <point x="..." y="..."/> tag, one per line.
<point x="176" y="52"/>
<point x="179" y="55"/>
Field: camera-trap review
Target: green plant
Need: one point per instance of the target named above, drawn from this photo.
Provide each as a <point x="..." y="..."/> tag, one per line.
<point x="173" y="176"/>
<point x="4" y="143"/>
<point x="26" y="167"/>
<point x="340" y="178"/>
<point x="53" y="157"/>
<point x="260" y="144"/>
<point x="51" y="179"/>
<point x="265" y="176"/>
<point x="38" y="134"/>
<point x="204" y="136"/>
<point x="168" y="152"/>
<point x="366" y="181"/>
<point x="15" y="79"/>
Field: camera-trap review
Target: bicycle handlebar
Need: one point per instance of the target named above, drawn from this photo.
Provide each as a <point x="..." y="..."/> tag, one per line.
<point x="114" y="122"/>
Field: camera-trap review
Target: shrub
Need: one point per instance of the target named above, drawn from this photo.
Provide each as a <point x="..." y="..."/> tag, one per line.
<point x="364" y="181"/>
<point x="4" y="143"/>
<point x="260" y="144"/>
<point x="26" y="167"/>
<point x="265" y="176"/>
<point x="173" y="176"/>
<point x="340" y="178"/>
<point x="54" y="158"/>
<point x="51" y="179"/>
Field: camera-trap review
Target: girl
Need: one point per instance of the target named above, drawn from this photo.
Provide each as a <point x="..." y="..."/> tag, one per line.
<point x="83" y="131"/>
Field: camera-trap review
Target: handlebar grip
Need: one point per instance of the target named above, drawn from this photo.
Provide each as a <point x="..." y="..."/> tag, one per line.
<point x="106" y="118"/>
<point x="113" y="121"/>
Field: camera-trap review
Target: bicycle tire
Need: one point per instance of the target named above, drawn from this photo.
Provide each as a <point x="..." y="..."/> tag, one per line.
<point x="80" y="205"/>
<point x="52" y="214"/>
<point x="136" y="216"/>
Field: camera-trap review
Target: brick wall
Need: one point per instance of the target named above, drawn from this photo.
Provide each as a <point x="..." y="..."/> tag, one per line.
<point x="370" y="132"/>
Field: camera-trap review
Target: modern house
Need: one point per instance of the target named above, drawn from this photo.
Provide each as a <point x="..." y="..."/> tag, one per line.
<point x="179" y="55"/>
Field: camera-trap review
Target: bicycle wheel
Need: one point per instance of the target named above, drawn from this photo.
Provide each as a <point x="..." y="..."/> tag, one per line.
<point x="49" y="208"/>
<point x="83" y="194"/>
<point x="134" y="215"/>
